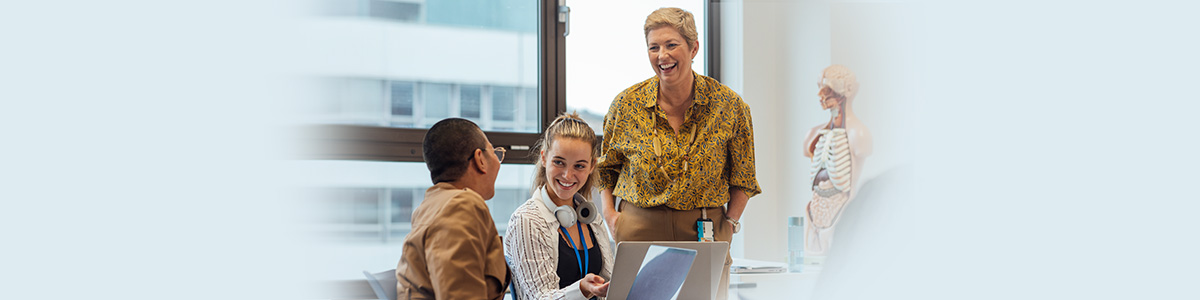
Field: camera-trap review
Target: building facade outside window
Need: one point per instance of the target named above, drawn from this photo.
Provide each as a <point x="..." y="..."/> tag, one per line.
<point x="396" y="67"/>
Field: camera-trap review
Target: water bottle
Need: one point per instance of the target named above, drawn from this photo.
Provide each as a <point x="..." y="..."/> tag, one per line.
<point x="795" y="258"/>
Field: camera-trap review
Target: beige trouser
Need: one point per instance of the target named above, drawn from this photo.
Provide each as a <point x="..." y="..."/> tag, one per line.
<point x="661" y="223"/>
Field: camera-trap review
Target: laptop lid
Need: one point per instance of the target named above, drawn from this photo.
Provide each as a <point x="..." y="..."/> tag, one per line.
<point x="702" y="279"/>
<point x="662" y="273"/>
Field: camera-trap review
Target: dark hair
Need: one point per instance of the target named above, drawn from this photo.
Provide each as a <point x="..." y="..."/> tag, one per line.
<point x="448" y="146"/>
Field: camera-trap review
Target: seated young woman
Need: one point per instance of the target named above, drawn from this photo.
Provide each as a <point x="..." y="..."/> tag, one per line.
<point x="557" y="243"/>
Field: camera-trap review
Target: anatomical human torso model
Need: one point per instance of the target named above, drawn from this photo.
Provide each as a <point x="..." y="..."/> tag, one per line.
<point x="837" y="149"/>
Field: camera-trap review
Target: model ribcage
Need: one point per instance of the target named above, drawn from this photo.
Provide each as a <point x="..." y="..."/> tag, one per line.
<point x="831" y="176"/>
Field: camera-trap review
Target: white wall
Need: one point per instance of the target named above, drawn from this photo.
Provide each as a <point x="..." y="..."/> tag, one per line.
<point x="878" y="42"/>
<point x="1054" y="155"/>
<point x="773" y="53"/>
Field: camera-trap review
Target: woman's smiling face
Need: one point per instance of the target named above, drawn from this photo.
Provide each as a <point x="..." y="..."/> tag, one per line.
<point x="670" y="55"/>
<point x="568" y="164"/>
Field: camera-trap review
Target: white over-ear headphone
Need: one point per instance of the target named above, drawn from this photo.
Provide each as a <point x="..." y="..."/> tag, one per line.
<point x="586" y="211"/>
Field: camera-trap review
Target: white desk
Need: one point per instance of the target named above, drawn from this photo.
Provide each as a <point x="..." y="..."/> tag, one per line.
<point x="772" y="286"/>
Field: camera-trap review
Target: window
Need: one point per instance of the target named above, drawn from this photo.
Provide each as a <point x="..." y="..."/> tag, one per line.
<point x="470" y="96"/>
<point x="608" y="51"/>
<point x="390" y="10"/>
<point x="531" y="105"/>
<point x="375" y="200"/>
<point x="394" y="10"/>
<point x="483" y="60"/>
<point x="435" y="98"/>
<point x="403" y="93"/>
<point x="362" y="210"/>
<point x="351" y="101"/>
<point x="395" y="67"/>
<point x="503" y="108"/>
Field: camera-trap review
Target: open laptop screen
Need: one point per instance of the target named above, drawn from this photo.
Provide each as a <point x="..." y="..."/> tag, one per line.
<point x="702" y="281"/>
<point x="662" y="273"/>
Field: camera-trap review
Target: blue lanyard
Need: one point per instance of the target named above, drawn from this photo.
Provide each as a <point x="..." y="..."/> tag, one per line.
<point x="583" y="267"/>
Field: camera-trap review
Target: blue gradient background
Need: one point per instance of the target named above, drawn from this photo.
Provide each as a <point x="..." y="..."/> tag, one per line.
<point x="145" y="150"/>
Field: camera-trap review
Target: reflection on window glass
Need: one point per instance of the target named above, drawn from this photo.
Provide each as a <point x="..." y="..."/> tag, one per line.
<point x="503" y="108"/>
<point x="436" y="101"/>
<point x="521" y="16"/>
<point x="408" y="64"/>
<point x="531" y="105"/>
<point x="364" y="101"/>
<point x="425" y="54"/>
<point x="352" y="101"/>
<point x="402" y="205"/>
<point x="402" y="98"/>
<point x="470" y="95"/>
<point x="362" y="209"/>
<point x="362" y="201"/>
<point x="394" y="10"/>
<point x="382" y="9"/>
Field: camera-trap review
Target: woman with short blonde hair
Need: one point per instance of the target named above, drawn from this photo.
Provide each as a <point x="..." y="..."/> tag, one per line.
<point x="677" y="161"/>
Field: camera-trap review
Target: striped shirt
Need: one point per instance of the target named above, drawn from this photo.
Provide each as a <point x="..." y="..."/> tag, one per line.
<point x="531" y="249"/>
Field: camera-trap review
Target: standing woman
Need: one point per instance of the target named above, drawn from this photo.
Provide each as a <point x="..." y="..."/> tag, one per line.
<point x="678" y="147"/>
<point x="557" y="243"/>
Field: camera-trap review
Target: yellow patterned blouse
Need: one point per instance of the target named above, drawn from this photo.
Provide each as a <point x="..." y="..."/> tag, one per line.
<point x="646" y="163"/>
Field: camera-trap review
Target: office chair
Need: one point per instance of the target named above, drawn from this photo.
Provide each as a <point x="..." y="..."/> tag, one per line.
<point x="384" y="284"/>
<point x="512" y="290"/>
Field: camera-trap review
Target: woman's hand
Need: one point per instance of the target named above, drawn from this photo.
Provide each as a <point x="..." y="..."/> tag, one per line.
<point x="610" y="210"/>
<point x="593" y="286"/>
<point x="611" y="219"/>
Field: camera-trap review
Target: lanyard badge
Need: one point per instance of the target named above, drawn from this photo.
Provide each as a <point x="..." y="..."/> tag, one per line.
<point x="705" y="229"/>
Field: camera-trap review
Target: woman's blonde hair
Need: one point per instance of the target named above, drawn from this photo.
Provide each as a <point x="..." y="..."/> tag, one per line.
<point x="573" y="127"/>
<point x="674" y="17"/>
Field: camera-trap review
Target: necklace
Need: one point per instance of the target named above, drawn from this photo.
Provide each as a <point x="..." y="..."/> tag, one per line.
<point x="691" y="143"/>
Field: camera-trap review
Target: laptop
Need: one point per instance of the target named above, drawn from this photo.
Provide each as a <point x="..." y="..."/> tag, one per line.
<point x="703" y="276"/>
<point x="662" y="273"/>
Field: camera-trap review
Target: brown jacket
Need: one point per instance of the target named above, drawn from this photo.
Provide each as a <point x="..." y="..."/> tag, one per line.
<point x="453" y="251"/>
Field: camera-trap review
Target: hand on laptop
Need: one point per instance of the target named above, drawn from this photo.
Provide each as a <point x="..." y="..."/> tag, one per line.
<point x="593" y="286"/>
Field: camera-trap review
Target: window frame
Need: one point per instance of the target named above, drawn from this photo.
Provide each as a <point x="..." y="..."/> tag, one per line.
<point x="376" y="143"/>
<point x="712" y="27"/>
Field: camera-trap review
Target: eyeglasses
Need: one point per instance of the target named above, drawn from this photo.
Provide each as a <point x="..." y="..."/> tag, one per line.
<point x="500" y="153"/>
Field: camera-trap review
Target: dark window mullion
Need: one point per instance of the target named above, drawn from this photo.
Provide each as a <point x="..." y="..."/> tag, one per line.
<point x="713" y="46"/>
<point x="351" y="142"/>
<point x="552" y="50"/>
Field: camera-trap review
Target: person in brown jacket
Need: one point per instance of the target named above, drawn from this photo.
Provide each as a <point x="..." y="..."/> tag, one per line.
<point x="454" y="250"/>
